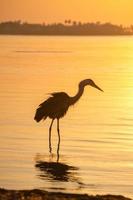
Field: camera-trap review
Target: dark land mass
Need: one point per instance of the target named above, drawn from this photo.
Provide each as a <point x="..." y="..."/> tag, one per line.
<point x="67" y="28"/>
<point x="43" y="195"/>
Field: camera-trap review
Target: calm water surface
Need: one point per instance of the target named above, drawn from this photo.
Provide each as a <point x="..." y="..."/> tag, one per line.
<point x="96" y="151"/>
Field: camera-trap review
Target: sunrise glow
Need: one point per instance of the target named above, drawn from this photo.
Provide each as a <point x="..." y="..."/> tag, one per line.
<point x="118" y="12"/>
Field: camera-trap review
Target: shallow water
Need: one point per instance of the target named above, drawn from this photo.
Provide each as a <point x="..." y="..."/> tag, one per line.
<point x="96" y="150"/>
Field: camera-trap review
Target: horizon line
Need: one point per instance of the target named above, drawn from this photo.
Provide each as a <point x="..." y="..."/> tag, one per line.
<point x="65" y="23"/>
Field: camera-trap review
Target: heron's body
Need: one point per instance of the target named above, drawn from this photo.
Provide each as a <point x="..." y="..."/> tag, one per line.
<point x="56" y="106"/>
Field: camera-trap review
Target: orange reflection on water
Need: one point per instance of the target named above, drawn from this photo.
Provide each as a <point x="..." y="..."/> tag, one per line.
<point x="96" y="134"/>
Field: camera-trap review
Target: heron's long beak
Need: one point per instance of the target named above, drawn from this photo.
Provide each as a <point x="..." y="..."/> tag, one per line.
<point x="98" y="88"/>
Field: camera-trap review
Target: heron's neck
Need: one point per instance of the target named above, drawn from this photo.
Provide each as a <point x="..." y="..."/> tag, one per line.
<point x="74" y="99"/>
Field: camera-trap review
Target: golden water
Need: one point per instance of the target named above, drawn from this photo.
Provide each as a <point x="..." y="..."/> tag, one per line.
<point x="96" y="151"/>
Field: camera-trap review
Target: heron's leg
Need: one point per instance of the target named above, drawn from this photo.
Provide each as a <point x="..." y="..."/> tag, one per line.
<point x="58" y="130"/>
<point x="50" y="128"/>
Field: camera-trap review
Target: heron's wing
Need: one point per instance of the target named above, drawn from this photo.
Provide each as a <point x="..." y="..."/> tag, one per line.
<point x="54" y="107"/>
<point x="46" y="108"/>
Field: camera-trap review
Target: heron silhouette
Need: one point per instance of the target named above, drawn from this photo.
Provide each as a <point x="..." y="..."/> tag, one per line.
<point x="56" y="106"/>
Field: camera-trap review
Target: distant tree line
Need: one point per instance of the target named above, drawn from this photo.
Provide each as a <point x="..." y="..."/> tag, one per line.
<point x="69" y="27"/>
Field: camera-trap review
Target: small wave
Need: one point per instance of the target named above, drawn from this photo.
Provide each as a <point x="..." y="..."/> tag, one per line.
<point x="126" y="119"/>
<point x="32" y="51"/>
<point x="114" y="124"/>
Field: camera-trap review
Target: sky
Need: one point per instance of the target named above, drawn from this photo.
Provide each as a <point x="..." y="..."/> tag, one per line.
<point x="49" y="11"/>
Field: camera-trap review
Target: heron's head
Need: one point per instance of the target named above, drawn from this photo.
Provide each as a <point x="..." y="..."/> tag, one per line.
<point x="89" y="82"/>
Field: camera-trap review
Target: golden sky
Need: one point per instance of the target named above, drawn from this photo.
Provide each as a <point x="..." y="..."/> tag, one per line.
<point x="114" y="11"/>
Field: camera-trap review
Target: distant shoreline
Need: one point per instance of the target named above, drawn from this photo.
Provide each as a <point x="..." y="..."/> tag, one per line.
<point x="66" y="35"/>
<point x="68" y="28"/>
<point x="44" y="195"/>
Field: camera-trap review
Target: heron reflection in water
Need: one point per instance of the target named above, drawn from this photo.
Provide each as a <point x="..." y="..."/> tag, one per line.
<point x="56" y="106"/>
<point x="57" y="171"/>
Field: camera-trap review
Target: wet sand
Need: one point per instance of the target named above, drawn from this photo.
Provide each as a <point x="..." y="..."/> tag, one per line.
<point x="44" y="195"/>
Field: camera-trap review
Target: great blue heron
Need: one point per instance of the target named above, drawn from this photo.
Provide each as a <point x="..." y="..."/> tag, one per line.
<point x="56" y="106"/>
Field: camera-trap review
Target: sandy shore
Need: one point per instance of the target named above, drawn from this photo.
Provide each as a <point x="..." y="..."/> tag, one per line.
<point x="43" y="195"/>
